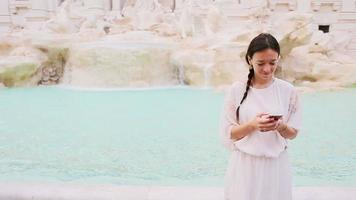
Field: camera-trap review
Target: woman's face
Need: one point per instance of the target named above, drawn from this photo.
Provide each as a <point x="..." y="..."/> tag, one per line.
<point x="264" y="64"/>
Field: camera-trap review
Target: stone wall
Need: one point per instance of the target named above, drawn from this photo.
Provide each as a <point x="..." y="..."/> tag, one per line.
<point x="335" y="15"/>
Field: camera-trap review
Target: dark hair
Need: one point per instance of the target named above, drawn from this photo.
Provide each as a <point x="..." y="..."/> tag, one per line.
<point x="259" y="43"/>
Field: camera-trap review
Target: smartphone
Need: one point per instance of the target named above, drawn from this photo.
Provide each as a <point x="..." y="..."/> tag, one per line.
<point x="275" y="117"/>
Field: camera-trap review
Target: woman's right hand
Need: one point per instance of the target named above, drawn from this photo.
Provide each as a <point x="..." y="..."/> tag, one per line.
<point x="263" y="123"/>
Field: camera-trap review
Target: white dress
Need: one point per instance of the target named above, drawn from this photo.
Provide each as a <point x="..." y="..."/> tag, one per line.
<point x="259" y="168"/>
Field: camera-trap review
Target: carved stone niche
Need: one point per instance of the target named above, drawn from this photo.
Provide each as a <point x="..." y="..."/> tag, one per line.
<point x="317" y="4"/>
<point x="15" y="6"/>
<point x="291" y="4"/>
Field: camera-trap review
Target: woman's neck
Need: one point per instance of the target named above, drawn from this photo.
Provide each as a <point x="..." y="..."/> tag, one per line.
<point x="258" y="83"/>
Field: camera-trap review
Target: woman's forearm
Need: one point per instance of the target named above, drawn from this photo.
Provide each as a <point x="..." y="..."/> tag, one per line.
<point x="287" y="132"/>
<point x="238" y="132"/>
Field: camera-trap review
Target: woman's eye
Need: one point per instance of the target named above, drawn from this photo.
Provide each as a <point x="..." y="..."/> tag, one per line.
<point x="272" y="63"/>
<point x="260" y="65"/>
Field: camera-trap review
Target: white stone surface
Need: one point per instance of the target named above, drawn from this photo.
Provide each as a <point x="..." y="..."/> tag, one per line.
<point x="99" y="64"/>
<point x="210" y="39"/>
<point x="69" y="191"/>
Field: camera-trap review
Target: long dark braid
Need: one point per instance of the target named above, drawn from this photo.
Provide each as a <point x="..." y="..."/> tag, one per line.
<point x="261" y="42"/>
<point x="250" y="76"/>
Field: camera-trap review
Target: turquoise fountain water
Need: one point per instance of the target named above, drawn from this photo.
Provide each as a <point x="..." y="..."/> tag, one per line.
<point x="156" y="137"/>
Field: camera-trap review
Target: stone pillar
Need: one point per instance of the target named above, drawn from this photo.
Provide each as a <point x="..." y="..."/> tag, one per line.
<point x="170" y="3"/>
<point x="95" y="7"/>
<point x="108" y="5"/>
<point x="253" y="3"/>
<point x="334" y="5"/>
<point x="289" y="5"/>
<point x="179" y="4"/>
<point x="39" y="13"/>
<point x="52" y="5"/>
<point x="348" y="6"/>
<point x="5" y="19"/>
<point x="117" y="5"/>
<point x="4" y="8"/>
<point x="303" y="6"/>
<point x="41" y="9"/>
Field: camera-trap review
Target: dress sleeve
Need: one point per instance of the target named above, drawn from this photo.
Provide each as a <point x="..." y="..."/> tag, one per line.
<point x="228" y="119"/>
<point x="294" y="117"/>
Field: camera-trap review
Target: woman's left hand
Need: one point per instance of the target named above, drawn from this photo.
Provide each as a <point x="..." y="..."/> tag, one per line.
<point x="270" y="125"/>
<point x="278" y="124"/>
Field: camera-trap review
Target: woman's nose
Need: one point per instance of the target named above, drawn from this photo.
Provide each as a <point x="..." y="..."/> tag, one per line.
<point x="267" y="68"/>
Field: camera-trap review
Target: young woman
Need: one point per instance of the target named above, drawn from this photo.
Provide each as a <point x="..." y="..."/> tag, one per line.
<point x="258" y="118"/>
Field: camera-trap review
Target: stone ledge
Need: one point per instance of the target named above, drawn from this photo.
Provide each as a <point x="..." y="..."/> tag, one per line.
<point x="70" y="191"/>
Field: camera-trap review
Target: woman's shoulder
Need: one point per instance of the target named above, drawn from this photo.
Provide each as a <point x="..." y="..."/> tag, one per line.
<point x="236" y="89"/>
<point x="238" y="86"/>
<point x="285" y="85"/>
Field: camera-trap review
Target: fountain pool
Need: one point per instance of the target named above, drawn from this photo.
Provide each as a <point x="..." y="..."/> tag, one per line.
<point x="159" y="136"/>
